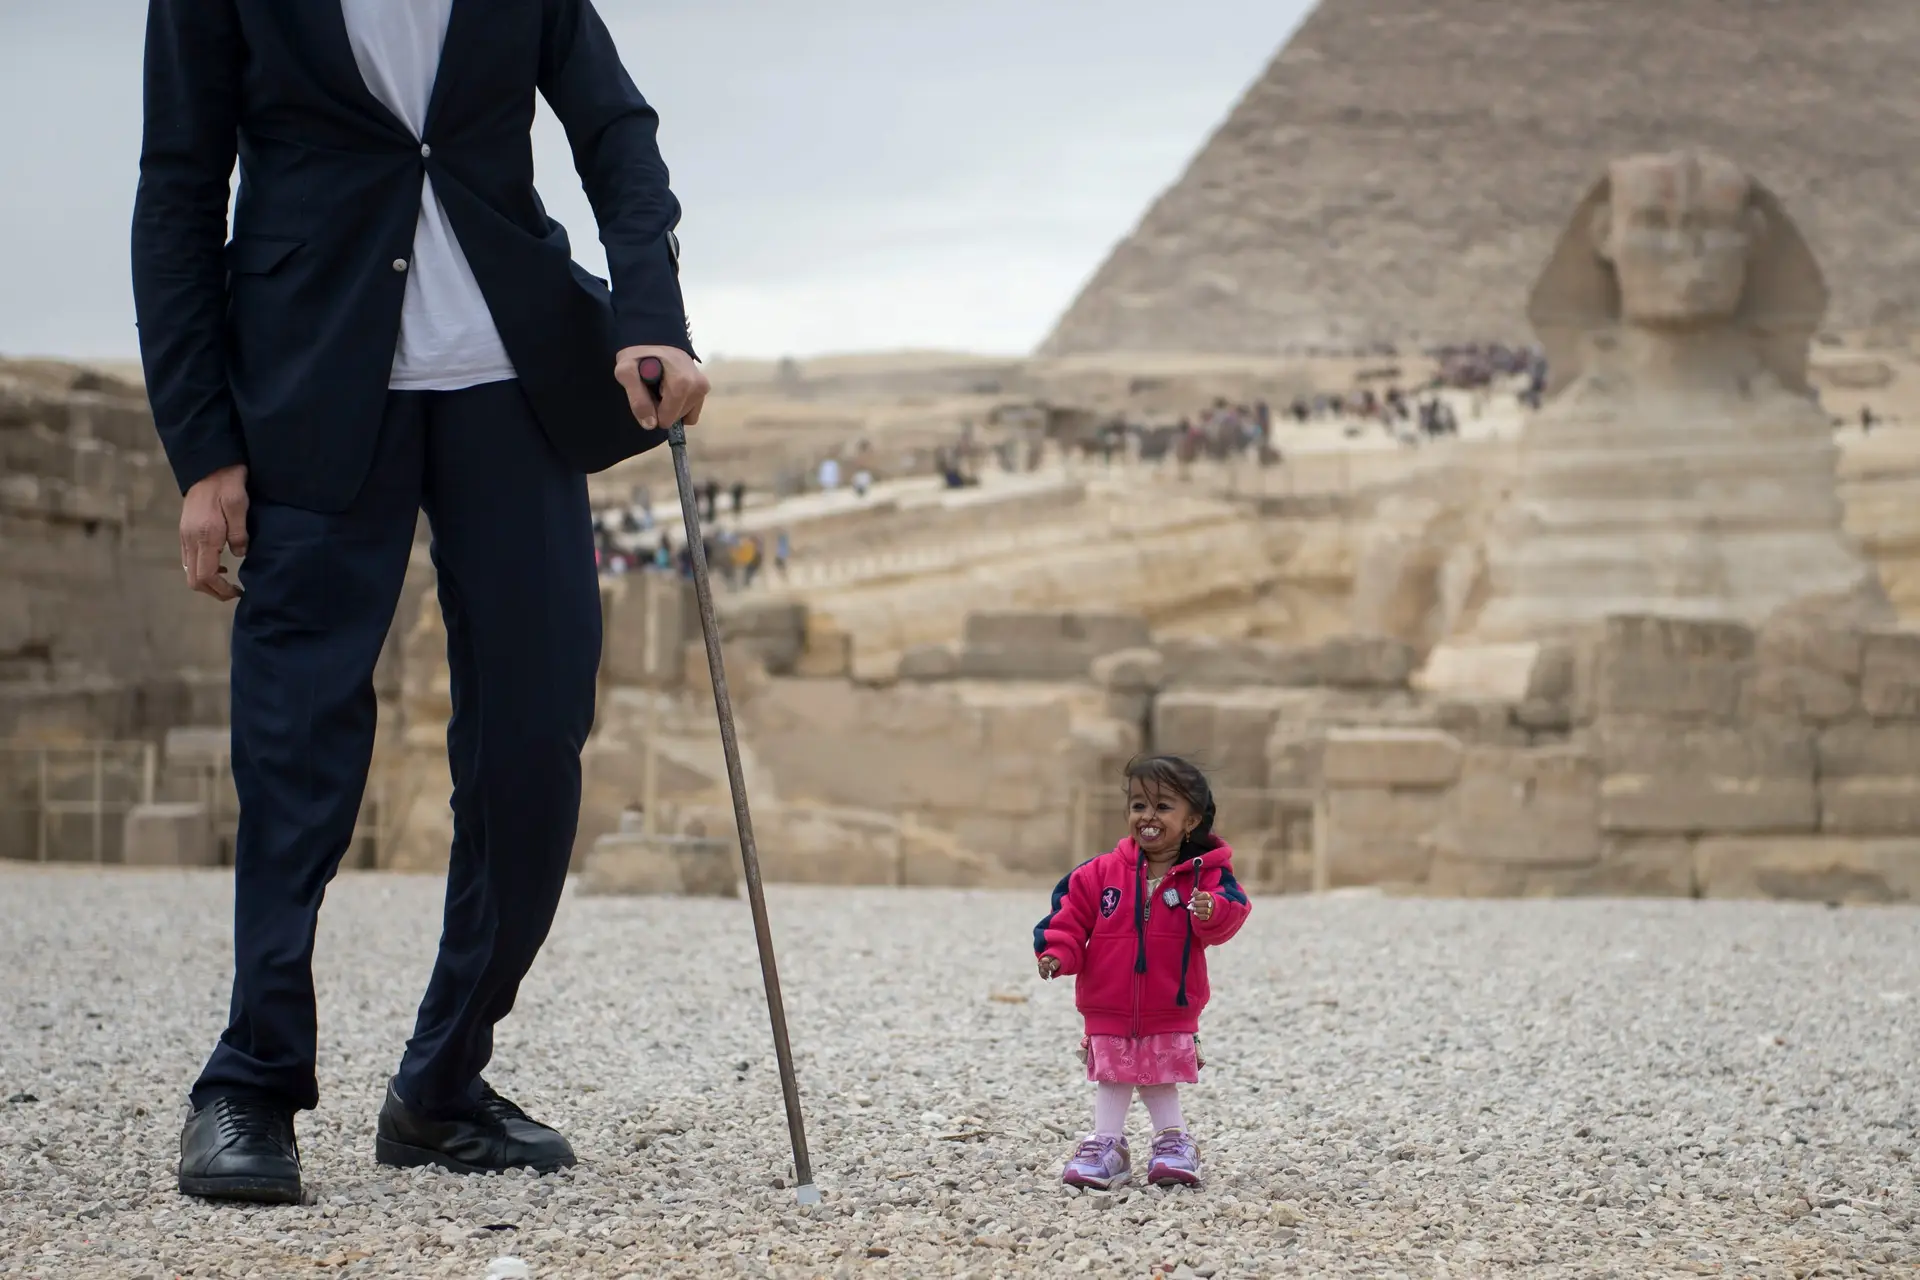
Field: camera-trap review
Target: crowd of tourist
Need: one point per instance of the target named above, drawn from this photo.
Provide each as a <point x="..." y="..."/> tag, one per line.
<point x="628" y="539"/>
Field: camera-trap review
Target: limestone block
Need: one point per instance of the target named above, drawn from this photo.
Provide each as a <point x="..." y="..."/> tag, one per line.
<point x="645" y="619"/>
<point x="1097" y="751"/>
<point x="1378" y="835"/>
<point x="1059" y="661"/>
<point x="829" y="651"/>
<point x="1023" y="728"/>
<point x="1099" y="632"/>
<point x="1526" y="806"/>
<point x="1237" y="755"/>
<point x="1363" y="662"/>
<point x="1500" y="672"/>
<point x="1183" y="722"/>
<point x="1107" y="632"/>
<point x="1810" y="868"/>
<point x="1664" y="777"/>
<point x="1677" y="668"/>
<point x="746" y="673"/>
<point x="1376" y="758"/>
<point x="1628" y="867"/>
<point x="772" y="628"/>
<point x="1807" y="669"/>
<point x="1136" y="670"/>
<point x="1211" y="662"/>
<point x="929" y="662"/>
<point x="1890" y="674"/>
<point x="1870" y="778"/>
<point x="1481" y="721"/>
<point x="626" y="862"/>
<point x="1134" y="708"/>
<point x="170" y="835"/>
<point x="1294" y="756"/>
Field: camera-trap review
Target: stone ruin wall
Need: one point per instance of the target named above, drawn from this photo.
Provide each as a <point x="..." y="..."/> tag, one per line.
<point x="99" y="642"/>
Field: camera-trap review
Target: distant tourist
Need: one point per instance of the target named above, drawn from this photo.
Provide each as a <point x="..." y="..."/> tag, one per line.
<point x="862" y="481"/>
<point x="830" y="475"/>
<point x="739" y="497"/>
<point x="782" y="551"/>
<point x="1133" y="928"/>
<point x="711" y="497"/>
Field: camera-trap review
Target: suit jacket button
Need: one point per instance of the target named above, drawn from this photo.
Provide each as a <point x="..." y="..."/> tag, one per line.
<point x="399" y="264"/>
<point x="425" y="151"/>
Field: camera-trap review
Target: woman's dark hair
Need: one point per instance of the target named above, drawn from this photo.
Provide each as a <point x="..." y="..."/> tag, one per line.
<point x="1184" y="779"/>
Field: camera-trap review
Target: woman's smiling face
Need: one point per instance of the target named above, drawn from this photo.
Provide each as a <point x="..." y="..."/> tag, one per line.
<point x="1160" y="818"/>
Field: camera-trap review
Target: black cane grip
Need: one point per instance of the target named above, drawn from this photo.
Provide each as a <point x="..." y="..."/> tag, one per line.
<point x="652" y="374"/>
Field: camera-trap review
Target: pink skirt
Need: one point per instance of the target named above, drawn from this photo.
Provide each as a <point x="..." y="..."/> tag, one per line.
<point x="1170" y="1058"/>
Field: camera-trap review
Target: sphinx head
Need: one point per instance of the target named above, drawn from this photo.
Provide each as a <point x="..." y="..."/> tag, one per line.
<point x="1679" y="231"/>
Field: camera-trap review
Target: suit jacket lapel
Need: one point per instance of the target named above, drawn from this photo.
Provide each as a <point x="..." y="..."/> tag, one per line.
<point x="328" y="28"/>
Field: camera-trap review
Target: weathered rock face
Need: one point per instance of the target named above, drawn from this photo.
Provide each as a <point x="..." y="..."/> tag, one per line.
<point x="1680" y="757"/>
<point x="1366" y="190"/>
<point x="99" y="638"/>
<point x="1681" y="468"/>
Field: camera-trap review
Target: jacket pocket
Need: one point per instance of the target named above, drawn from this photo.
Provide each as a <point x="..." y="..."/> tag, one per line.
<point x="258" y="255"/>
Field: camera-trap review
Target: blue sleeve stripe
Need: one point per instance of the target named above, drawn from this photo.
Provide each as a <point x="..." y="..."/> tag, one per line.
<point x="1230" y="889"/>
<point x="1059" y="897"/>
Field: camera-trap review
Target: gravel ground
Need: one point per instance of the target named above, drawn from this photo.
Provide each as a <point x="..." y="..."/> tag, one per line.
<point x="1396" y="1088"/>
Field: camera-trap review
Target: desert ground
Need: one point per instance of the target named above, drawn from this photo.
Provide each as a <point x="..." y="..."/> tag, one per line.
<point x="1396" y="1087"/>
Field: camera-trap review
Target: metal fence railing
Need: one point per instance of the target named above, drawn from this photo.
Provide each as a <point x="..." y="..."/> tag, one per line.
<point x="69" y="802"/>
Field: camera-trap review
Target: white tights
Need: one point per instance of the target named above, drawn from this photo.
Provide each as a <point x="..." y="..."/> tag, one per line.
<point x="1111" y="1102"/>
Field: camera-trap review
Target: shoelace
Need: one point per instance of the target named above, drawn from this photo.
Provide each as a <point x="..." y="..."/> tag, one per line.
<point x="1170" y="1144"/>
<point x="499" y="1108"/>
<point x="1092" y="1149"/>
<point x="251" y="1120"/>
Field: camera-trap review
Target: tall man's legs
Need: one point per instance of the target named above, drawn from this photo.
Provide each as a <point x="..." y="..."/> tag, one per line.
<point x="320" y="594"/>
<point x="513" y="544"/>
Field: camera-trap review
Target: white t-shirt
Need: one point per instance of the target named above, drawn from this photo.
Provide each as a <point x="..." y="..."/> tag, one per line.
<point x="447" y="335"/>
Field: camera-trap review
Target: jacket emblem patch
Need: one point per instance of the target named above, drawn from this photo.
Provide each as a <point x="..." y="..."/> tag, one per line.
<point x="1109" y="901"/>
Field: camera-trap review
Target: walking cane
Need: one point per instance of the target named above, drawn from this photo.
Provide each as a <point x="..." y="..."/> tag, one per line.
<point x="651" y="373"/>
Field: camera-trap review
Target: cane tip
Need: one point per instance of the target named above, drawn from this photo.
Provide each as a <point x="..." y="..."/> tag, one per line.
<point x="807" y="1194"/>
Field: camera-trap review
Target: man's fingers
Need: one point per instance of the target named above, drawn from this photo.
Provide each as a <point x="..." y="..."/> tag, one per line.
<point x="235" y="510"/>
<point x="203" y="559"/>
<point x="222" y="589"/>
<point x="673" y="399"/>
<point x="692" y="411"/>
<point x="627" y="374"/>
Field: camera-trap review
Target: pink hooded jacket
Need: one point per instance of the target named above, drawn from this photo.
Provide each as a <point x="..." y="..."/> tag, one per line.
<point x="1140" y="975"/>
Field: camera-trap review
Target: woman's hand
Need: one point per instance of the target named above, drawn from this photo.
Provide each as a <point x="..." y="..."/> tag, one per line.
<point x="1201" y="905"/>
<point x="1049" y="967"/>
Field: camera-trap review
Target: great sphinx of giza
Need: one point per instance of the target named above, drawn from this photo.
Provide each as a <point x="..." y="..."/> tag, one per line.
<point x="1680" y="465"/>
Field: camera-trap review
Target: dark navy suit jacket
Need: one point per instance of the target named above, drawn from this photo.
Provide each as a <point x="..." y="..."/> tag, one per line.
<point x="275" y="350"/>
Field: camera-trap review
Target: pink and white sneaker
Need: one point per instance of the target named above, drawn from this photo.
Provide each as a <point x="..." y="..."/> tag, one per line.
<point x="1101" y="1163"/>
<point x="1176" y="1160"/>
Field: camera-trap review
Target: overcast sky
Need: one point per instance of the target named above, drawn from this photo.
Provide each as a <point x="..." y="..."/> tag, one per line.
<point x="856" y="174"/>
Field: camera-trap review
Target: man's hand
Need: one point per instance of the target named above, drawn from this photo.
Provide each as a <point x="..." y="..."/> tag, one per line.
<point x="683" y="387"/>
<point x="213" y="516"/>
<point x="1049" y="967"/>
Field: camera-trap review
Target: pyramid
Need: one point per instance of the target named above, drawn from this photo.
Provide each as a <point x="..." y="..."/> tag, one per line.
<point x="1400" y="171"/>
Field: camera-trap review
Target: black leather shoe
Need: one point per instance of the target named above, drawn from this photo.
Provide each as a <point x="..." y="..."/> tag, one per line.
<point x="498" y="1135"/>
<point x="236" y="1149"/>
